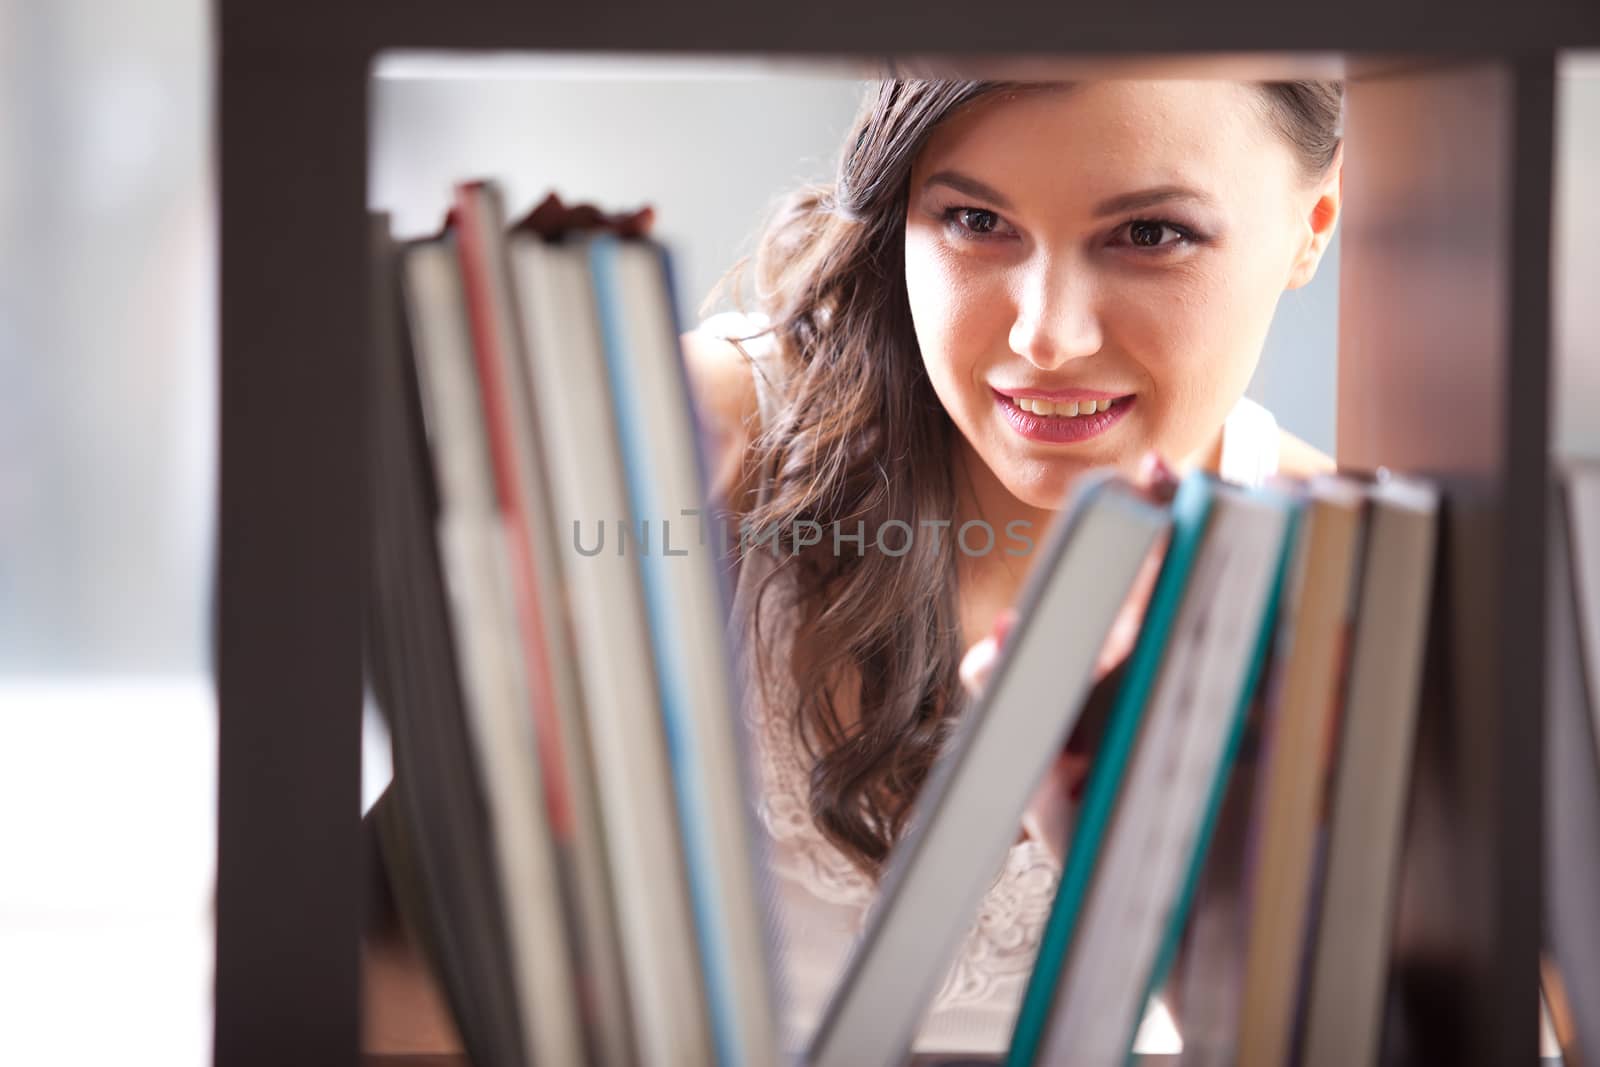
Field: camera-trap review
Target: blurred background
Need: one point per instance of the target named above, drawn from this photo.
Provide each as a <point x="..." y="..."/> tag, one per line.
<point x="107" y="492"/>
<point x="746" y="133"/>
<point x="108" y="428"/>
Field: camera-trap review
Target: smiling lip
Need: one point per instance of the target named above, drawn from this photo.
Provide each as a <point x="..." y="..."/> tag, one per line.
<point x="1061" y="430"/>
<point x="1058" y="394"/>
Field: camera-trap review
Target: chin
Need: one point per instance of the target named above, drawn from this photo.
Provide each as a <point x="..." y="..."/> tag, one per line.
<point x="1048" y="483"/>
<point x="1046" y="488"/>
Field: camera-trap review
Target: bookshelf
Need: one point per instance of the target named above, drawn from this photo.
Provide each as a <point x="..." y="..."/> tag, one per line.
<point x="1446" y="312"/>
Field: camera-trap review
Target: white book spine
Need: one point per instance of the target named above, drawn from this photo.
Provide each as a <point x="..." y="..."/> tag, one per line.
<point x="473" y="554"/>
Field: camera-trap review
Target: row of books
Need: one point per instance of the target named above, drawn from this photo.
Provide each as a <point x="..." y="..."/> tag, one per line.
<point x="572" y="836"/>
<point x="1313" y="598"/>
<point x="571" y="828"/>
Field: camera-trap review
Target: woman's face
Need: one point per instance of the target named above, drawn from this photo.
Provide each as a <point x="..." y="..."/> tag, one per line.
<point x="1120" y="245"/>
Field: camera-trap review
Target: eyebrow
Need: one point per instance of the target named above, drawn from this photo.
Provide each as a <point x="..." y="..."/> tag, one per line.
<point x="962" y="183"/>
<point x="1148" y="198"/>
<point x="1116" y="205"/>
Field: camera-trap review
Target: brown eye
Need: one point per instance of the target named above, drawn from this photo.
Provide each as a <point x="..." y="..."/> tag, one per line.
<point x="979" y="221"/>
<point x="976" y="224"/>
<point x="1146" y="234"/>
<point x="1157" y="235"/>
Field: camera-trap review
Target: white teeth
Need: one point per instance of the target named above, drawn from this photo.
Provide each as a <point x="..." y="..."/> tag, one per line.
<point x="1065" y="409"/>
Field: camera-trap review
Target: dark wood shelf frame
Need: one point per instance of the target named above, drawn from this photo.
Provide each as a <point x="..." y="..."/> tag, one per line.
<point x="1446" y="313"/>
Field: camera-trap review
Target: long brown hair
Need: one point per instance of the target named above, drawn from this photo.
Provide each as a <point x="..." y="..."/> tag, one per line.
<point x="861" y="438"/>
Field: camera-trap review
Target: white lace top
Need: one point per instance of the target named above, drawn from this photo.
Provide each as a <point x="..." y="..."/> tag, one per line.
<point x="821" y="899"/>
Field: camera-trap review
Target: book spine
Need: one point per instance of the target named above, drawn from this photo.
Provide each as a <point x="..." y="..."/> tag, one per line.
<point x="1190" y="509"/>
<point x="557" y="981"/>
<point x="587" y="891"/>
<point x="1208" y="823"/>
<point x="620" y="347"/>
<point x="495" y="383"/>
<point x="758" y="1006"/>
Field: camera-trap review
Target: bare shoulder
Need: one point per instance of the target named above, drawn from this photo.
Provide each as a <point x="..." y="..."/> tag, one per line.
<point x="720" y="376"/>
<point x="1299" y="459"/>
<point x="724" y="392"/>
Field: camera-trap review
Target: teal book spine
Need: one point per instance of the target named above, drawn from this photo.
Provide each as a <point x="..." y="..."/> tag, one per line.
<point x="1219" y="786"/>
<point x="1190" y="510"/>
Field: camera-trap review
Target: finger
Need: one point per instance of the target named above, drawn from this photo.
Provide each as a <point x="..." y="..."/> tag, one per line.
<point x="1124" y="634"/>
<point x="978" y="664"/>
<point x="1048" y="816"/>
<point x="1002" y="626"/>
<point x="1156" y="478"/>
<point x="1075" y="771"/>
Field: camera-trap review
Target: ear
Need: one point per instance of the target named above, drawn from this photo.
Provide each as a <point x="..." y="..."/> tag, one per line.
<point x="1320" y="220"/>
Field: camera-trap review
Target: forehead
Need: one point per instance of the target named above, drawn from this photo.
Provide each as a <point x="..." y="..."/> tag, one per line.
<point x="1102" y="137"/>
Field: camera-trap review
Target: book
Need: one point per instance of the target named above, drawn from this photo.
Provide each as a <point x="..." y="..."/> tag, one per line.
<point x="1345" y="991"/>
<point x="1230" y="780"/>
<point x="477" y="540"/>
<point x="1316" y="623"/>
<point x="966" y="816"/>
<point x="642" y="846"/>
<point x="1189" y="511"/>
<point x="1158" y="781"/>
<point x="1582" y="495"/>
<point x="521" y="479"/>
<point x="597" y="688"/>
<point x="436" y="843"/>
<point x="1207" y="979"/>
<point x="1572" y="769"/>
<point x="688" y="605"/>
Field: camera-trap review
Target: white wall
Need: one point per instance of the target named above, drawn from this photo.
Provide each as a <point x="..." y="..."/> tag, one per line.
<point x="711" y="145"/>
<point x="107" y="462"/>
<point x="1575" y="377"/>
<point x="1298" y="378"/>
<point x="107" y="374"/>
<point x="710" y="148"/>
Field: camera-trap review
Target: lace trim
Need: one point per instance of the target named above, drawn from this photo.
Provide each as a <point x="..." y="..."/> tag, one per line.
<point x="1005" y="939"/>
<point x="800" y="850"/>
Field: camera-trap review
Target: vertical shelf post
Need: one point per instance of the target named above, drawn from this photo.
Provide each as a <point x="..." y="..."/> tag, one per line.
<point x="292" y="149"/>
<point x="1444" y="357"/>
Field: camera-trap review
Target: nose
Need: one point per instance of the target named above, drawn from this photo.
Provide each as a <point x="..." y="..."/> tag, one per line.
<point x="1057" y="318"/>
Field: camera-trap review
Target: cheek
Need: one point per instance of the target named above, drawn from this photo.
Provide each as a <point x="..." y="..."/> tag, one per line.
<point x="1198" y="341"/>
<point x="958" y="310"/>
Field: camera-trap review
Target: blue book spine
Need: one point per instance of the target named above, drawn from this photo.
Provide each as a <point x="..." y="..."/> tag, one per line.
<point x="676" y="699"/>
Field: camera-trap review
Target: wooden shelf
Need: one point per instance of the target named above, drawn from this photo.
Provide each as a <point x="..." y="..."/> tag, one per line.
<point x="1445" y="258"/>
<point x="1474" y="28"/>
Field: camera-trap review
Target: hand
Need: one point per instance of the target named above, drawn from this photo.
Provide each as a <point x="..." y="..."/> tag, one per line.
<point x="1049" y="813"/>
<point x="552" y="218"/>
